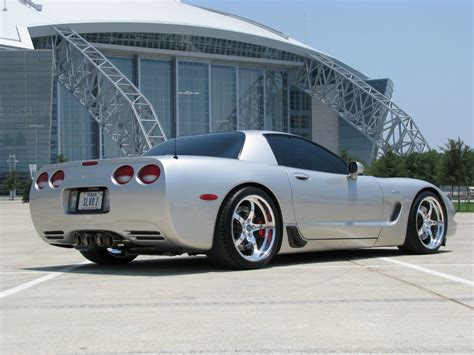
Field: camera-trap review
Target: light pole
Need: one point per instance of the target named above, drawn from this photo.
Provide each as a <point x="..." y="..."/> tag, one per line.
<point x="36" y="126"/>
<point x="12" y="169"/>
<point x="188" y="94"/>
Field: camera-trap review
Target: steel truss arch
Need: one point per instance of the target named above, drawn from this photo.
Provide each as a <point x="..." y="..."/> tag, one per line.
<point x="114" y="102"/>
<point x="358" y="103"/>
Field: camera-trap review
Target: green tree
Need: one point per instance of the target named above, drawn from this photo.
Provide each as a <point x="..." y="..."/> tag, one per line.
<point x="61" y="159"/>
<point x="26" y="186"/>
<point x="388" y="165"/>
<point x="468" y="165"/>
<point x="11" y="182"/>
<point x="452" y="170"/>
<point x="423" y="166"/>
<point x="348" y="157"/>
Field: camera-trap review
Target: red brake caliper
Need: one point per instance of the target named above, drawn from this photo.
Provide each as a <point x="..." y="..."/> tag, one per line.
<point x="261" y="232"/>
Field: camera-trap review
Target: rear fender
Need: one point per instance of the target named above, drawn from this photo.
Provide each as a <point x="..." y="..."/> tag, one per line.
<point x="194" y="219"/>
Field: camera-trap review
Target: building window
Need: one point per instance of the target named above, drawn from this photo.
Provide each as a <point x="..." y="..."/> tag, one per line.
<point x="223" y="98"/>
<point x="78" y="131"/>
<point x="189" y="43"/>
<point x="110" y="149"/>
<point x="193" y="98"/>
<point x="156" y="83"/>
<point x="251" y="100"/>
<point x="300" y="113"/>
<point x="276" y="101"/>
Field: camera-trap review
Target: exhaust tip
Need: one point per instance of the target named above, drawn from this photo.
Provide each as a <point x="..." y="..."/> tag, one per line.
<point x="108" y="240"/>
<point x="77" y="238"/>
<point x="99" y="240"/>
<point x="87" y="239"/>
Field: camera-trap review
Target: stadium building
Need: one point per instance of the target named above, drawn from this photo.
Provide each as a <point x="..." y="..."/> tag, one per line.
<point x="96" y="79"/>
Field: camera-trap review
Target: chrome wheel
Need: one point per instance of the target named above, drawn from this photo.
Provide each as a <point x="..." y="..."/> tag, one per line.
<point x="430" y="222"/>
<point x="253" y="228"/>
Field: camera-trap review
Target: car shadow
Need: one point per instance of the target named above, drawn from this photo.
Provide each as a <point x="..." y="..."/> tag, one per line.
<point x="184" y="265"/>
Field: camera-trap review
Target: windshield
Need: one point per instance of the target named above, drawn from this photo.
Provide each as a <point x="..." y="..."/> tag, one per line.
<point x="219" y="145"/>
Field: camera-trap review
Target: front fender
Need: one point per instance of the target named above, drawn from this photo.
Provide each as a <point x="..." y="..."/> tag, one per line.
<point x="404" y="191"/>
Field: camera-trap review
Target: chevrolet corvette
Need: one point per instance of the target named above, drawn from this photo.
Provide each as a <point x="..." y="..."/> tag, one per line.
<point x="239" y="197"/>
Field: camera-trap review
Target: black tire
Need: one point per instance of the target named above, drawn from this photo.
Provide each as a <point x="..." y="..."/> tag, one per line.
<point x="224" y="251"/>
<point x="103" y="257"/>
<point x="413" y="243"/>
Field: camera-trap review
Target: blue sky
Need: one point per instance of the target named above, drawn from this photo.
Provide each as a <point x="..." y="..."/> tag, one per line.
<point x="424" y="46"/>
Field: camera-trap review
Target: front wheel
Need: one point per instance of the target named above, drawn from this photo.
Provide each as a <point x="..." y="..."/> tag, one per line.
<point x="426" y="227"/>
<point x="104" y="257"/>
<point x="248" y="230"/>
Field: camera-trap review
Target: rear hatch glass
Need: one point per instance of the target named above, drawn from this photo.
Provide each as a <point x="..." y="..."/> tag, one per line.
<point x="219" y="145"/>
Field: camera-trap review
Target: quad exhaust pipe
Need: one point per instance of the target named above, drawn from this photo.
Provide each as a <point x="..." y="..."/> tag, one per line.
<point x="99" y="240"/>
<point x="102" y="240"/>
<point x="77" y="238"/>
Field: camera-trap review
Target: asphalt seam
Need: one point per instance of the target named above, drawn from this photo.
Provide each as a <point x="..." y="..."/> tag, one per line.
<point x="367" y="267"/>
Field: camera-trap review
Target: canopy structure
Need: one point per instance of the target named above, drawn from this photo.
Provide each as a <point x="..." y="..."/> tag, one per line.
<point x="125" y="113"/>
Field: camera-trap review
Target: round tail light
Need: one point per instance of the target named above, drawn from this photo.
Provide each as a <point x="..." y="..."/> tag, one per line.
<point x="57" y="178"/>
<point x="149" y="174"/>
<point x="42" y="181"/>
<point x="123" y="174"/>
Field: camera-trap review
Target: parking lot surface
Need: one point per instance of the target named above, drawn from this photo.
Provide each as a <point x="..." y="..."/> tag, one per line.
<point x="346" y="301"/>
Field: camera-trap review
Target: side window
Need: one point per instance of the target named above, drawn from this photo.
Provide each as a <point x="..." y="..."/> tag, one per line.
<point x="299" y="153"/>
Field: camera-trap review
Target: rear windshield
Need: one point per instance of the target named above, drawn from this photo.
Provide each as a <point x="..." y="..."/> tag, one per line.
<point x="219" y="145"/>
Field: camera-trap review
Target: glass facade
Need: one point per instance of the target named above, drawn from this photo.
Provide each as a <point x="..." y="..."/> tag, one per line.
<point x="188" y="43"/>
<point x="78" y="132"/>
<point x="224" y="98"/>
<point x="276" y="101"/>
<point x="54" y="125"/>
<point x="190" y="97"/>
<point x="193" y="98"/>
<point x="300" y="113"/>
<point x="251" y="99"/>
<point x="156" y="83"/>
<point x="234" y="85"/>
<point x="25" y="109"/>
<point x="127" y="66"/>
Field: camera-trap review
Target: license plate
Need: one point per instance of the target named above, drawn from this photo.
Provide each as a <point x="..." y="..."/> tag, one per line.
<point x="90" y="200"/>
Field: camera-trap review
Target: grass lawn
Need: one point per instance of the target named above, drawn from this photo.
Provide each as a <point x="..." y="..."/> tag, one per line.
<point x="464" y="207"/>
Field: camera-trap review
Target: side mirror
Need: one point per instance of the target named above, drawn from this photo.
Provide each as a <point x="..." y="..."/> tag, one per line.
<point x="355" y="168"/>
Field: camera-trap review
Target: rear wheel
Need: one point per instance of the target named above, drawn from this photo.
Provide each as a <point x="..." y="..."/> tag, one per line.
<point x="426" y="225"/>
<point x="248" y="230"/>
<point x="105" y="257"/>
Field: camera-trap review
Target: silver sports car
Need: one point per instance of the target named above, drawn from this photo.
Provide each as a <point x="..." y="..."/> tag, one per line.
<point x="238" y="197"/>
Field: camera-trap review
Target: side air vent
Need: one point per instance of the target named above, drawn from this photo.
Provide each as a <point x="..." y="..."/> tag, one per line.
<point x="396" y="212"/>
<point x="150" y="238"/>
<point x="146" y="235"/>
<point x="54" y="235"/>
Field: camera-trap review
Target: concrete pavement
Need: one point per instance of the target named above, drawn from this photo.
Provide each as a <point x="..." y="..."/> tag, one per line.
<point x="347" y="301"/>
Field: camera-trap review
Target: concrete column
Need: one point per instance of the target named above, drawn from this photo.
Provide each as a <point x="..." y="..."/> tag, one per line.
<point x="325" y="123"/>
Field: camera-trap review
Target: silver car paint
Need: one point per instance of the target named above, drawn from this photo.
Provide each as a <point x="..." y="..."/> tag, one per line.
<point x="173" y="207"/>
<point x="330" y="206"/>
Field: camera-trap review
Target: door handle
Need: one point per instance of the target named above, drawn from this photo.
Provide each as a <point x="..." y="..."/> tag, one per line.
<point x="303" y="177"/>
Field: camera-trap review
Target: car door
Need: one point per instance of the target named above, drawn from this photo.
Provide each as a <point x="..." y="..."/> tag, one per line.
<point x="328" y="204"/>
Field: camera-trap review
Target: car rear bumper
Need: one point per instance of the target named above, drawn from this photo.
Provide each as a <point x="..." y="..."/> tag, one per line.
<point x="141" y="219"/>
